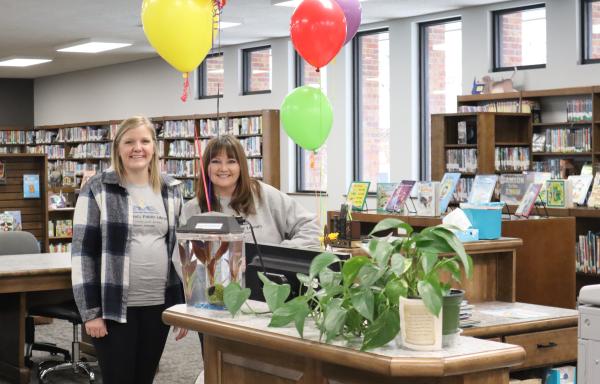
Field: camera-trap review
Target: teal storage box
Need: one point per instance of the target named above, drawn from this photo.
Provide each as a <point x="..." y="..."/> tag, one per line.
<point x="487" y="217"/>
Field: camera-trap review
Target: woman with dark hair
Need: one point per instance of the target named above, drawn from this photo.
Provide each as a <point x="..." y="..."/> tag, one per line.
<point x="123" y="241"/>
<point x="275" y="217"/>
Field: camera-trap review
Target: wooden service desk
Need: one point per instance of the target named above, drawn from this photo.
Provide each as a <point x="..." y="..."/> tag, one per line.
<point x="244" y="350"/>
<point x="25" y="278"/>
<point x="545" y="263"/>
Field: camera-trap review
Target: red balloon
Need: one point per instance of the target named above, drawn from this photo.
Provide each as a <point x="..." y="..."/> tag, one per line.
<point x="318" y="31"/>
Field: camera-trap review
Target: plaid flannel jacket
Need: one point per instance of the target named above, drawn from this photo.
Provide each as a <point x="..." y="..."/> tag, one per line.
<point x="102" y="226"/>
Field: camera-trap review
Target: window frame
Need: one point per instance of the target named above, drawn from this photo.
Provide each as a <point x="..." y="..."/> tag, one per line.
<point x="298" y="82"/>
<point x="356" y="101"/>
<point x="496" y="36"/>
<point x="246" y="70"/>
<point x="586" y="33"/>
<point x="202" y="78"/>
<point x="423" y="109"/>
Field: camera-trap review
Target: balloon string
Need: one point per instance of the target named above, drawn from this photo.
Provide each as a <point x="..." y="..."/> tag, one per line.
<point x="199" y="150"/>
<point x="186" y="87"/>
<point x="320" y="158"/>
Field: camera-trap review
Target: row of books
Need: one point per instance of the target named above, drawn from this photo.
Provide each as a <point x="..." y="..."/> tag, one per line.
<point x="178" y="148"/>
<point x="579" y="109"/>
<point x="496" y="106"/>
<point x="213" y="127"/>
<point x="178" y="168"/>
<point x="461" y="160"/>
<point x="511" y="159"/>
<point x="255" y="167"/>
<point x="178" y="128"/>
<point x="59" y="247"/>
<point x="252" y="145"/>
<point x="12" y="137"/>
<point x="90" y="150"/>
<point x="188" y="188"/>
<point x="88" y="133"/>
<point x="565" y="140"/>
<point x="245" y="125"/>
<point x="588" y="253"/>
<point x="60" y="228"/>
<point x="10" y="150"/>
<point x="53" y="151"/>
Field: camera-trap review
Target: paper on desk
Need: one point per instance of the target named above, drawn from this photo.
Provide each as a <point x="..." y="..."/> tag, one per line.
<point x="514" y="313"/>
<point x="457" y="218"/>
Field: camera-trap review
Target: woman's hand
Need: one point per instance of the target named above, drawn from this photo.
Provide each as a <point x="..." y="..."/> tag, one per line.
<point x="182" y="333"/>
<point x="96" y="327"/>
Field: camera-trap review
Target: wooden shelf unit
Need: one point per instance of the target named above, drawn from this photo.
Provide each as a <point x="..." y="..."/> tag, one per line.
<point x="34" y="212"/>
<point x="492" y="130"/>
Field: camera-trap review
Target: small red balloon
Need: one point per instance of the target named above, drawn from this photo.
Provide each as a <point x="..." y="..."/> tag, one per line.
<point x="318" y="31"/>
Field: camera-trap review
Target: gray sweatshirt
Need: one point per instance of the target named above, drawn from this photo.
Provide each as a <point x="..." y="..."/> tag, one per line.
<point x="279" y="219"/>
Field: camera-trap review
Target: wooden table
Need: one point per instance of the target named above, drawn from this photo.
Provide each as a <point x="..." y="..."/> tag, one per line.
<point x="244" y="350"/>
<point x="22" y="278"/>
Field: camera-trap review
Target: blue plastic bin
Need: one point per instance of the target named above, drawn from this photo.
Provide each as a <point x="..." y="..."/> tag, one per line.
<point x="487" y="217"/>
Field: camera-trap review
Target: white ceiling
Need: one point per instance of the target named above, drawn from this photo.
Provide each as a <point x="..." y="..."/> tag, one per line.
<point x="35" y="28"/>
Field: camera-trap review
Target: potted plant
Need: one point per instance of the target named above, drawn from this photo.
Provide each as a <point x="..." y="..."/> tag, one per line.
<point x="361" y="299"/>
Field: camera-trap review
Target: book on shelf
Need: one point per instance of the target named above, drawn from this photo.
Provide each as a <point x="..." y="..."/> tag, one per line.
<point x="68" y="178"/>
<point x="538" y="142"/>
<point x="594" y="199"/>
<point x="426" y="198"/>
<point x="528" y="201"/>
<point x="447" y="187"/>
<point x="398" y="198"/>
<point x="2" y="172"/>
<point x="10" y="221"/>
<point x="580" y="187"/>
<point x="513" y="187"/>
<point x="461" y="128"/>
<point x="559" y="193"/>
<point x="483" y="189"/>
<point x="31" y="186"/>
<point x="384" y="192"/>
<point x="56" y="200"/>
<point x="63" y="228"/>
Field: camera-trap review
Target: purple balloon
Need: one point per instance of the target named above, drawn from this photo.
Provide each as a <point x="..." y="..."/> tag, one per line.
<point x="352" y="11"/>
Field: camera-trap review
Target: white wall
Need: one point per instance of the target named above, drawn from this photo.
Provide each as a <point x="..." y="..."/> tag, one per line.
<point x="152" y="88"/>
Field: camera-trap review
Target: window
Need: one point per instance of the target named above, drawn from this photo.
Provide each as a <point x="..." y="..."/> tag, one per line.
<point x="590" y="24"/>
<point x="371" y="78"/>
<point x="210" y="76"/>
<point x="441" y="77"/>
<point x="520" y="38"/>
<point x="311" y="167"/>
<point x="256" y="70"/>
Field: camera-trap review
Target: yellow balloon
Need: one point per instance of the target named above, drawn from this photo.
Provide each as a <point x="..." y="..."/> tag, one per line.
<point x="181" y="31"/>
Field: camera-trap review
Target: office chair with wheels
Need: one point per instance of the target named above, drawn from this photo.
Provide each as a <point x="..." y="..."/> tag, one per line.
<point x="19" y="243"/>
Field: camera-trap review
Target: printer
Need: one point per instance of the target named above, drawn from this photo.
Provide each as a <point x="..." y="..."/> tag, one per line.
<point x="588" y="352"/>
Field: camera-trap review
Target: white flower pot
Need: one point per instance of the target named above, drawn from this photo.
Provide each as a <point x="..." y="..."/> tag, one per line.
<point x="419" y="329"/>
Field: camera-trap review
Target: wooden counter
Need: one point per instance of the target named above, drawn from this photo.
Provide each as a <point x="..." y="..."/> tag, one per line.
<point x="245" y="350"/>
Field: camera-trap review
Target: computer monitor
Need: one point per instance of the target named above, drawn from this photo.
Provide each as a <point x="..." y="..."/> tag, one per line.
<point x="281" y="265"/>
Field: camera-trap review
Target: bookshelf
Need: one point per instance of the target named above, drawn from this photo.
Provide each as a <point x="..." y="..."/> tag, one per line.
<point x="571" y="116"/>
<point x="33" y="211"/>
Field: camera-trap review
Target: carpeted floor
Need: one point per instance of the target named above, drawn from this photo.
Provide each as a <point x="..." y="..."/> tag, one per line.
<point x="180" y="364"/>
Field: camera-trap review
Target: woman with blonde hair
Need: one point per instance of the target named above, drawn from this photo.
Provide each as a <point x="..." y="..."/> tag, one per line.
<point x="123" y="241"/>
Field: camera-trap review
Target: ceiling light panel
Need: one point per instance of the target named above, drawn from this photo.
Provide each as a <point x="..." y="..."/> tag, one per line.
<point x="22" y="62"/>
<point x="93" y="47"/>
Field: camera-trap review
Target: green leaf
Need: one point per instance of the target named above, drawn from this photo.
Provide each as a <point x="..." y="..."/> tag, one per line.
<point x="428" y="261"/>
<point x="354" y="322"/>
<point x="400" y="264"/>
<point x="334" y="319"/>
<point x="304" y="279"/>
<point x="328" y="278"/>
<point x="364" y="302"/>
<point x="451" y="266"/>
<point x="368" y="275"/>
<point x="431" y="297"/>
<point x="288" y="312"/>
<point x="321" y="262"/>
<point x="234" y="297"/>
<point x="381" y="252"/>
<point x="456" y="245"/>
<point x="333" y="290"/>
<point x="382" y="330"/>
<point x="351" y="268"/>
<point x="389" y="223"/>
<point x="274" y="294"/>
<point x="394" y="289"/>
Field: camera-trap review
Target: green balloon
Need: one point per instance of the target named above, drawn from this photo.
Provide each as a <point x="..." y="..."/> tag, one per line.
<point x="307" y="117"/>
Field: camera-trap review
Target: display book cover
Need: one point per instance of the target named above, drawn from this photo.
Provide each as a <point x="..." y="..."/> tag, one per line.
<point x="594" y="199"/>
<point x="31" y="186"/>
<point x="482" y="189"/>
<point x="447" y="187"/>
<point x="513" y="187"/>
<point x="357" y="194"/>
<point x="10" y="221"/>
<point x="426" y="198"/>
<point x="540" y="178"/>
<point x="528" y="201"/>
<point x="559" y="193"/>
<point x="384" y="192"/>
<point x="581" y="186"/>
<point x="398" y="198"/>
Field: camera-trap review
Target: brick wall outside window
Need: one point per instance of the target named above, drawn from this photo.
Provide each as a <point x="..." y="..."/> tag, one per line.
<point x="595" y="37"/>
<point x="260" y="70"/>
<point x="214" y="75"/>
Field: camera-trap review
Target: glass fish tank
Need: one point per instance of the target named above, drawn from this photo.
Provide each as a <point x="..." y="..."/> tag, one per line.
<point x="211" y="254"/>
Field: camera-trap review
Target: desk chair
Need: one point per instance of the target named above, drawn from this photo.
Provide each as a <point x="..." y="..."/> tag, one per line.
<point x="17" y="243"/>
<point x="20" y="242"/>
